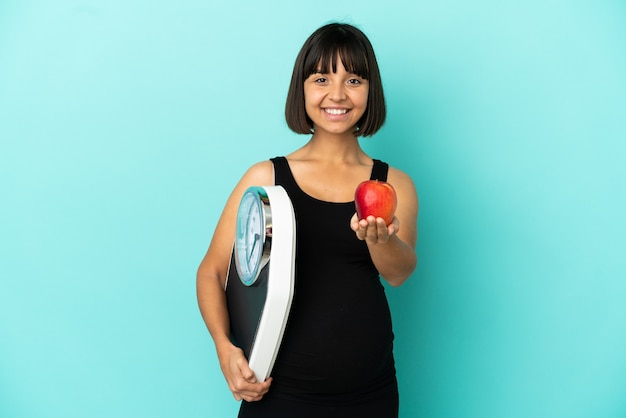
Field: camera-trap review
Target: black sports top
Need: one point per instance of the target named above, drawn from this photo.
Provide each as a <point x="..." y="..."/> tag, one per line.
<point x="338" y="342"/>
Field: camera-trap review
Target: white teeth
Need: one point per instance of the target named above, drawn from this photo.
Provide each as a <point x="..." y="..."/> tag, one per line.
<point x="336" y="111"/>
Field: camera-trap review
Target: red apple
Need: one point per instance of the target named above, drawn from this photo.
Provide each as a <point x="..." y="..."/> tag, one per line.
<point x="376" y="198"/>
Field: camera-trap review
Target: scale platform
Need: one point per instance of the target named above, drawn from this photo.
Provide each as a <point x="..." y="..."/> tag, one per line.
<point x="259" y="304"/>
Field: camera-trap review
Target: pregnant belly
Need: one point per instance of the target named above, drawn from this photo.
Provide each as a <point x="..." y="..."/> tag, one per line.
<point x="336" y="346"/>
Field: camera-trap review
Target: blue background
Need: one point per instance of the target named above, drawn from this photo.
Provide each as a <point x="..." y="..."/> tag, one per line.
<point x="124" y="125"/>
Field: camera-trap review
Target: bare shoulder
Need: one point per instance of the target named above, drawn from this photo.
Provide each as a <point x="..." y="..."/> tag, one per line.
<point x="260" y="174"/>
<point x="401" y="180"/>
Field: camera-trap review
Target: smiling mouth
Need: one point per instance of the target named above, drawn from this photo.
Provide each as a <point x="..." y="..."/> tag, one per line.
<point x="336" y="111"/>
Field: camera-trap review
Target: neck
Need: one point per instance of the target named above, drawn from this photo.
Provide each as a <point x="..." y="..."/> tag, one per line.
<point x="334" y="148"/>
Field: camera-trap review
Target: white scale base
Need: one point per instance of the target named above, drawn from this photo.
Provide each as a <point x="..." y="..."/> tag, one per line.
<point x="258" y="313"/>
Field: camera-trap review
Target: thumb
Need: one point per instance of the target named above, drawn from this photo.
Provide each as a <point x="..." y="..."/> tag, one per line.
<point x="354" y="222"/>
<point x="248" y="374"/>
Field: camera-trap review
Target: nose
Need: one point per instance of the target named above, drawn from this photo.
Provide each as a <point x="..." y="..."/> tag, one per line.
<point x="337" y="92"/>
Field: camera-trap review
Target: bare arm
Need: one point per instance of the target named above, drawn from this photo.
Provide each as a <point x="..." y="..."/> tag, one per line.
<point x="392" y="247"/>
<point x="210" y="282"/>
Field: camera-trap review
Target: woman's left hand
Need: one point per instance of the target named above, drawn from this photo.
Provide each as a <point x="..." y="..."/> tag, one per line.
<point x="373" y="230"/>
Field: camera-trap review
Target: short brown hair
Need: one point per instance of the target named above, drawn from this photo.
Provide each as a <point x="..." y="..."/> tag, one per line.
<point x="356" y="54"/>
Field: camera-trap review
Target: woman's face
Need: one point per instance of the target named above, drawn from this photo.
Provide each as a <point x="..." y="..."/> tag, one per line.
<point x="335" y="102"/>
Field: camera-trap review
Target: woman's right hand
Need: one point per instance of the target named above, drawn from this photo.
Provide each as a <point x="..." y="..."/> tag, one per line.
<point x="240" y="377"/>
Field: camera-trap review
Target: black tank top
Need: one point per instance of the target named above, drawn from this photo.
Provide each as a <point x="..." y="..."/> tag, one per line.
<point x="338" y="341"/>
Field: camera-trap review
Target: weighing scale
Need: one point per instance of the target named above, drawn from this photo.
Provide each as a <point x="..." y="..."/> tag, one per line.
<point x="260" y="282"/>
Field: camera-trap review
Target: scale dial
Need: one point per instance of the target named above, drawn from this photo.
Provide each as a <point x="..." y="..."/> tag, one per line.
<point x="253" y="237"/>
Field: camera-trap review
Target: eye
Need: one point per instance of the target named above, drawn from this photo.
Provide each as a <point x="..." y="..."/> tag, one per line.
<point x="319" y="80"/>
<point x="355" y="81"/>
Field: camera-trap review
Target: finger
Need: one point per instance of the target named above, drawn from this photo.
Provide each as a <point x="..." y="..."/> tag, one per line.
<point x="381" y="227"/>
<point x="394" y="227"/>
<point x="251" y="392"/>
<point x="354" y="223"/>
<point x="377" y="232"/>
<point x="371" y="233"/>
<point x="244" y="390"/>
<point x="247" y="373"/>
<point x="361" y="229"/>
<point x="381" y="231"/>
